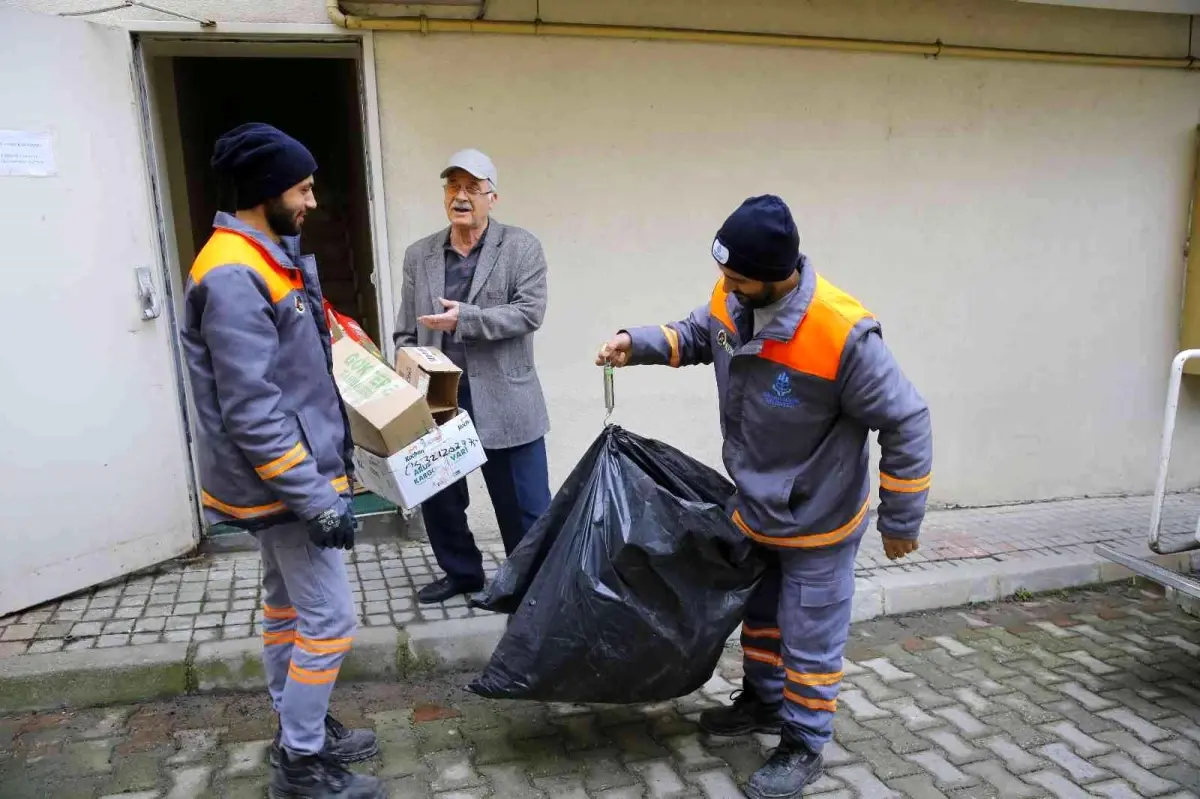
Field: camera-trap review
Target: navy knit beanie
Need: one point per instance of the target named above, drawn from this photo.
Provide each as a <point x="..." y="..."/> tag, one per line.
<point x="262" y="161"/>
<point x="759" y="240"/>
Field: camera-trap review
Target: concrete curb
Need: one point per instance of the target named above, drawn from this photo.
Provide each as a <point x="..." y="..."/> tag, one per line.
<point x="952" y="586"/>
<point x="379" y="653"/>
<point x="455" y="645"/>
<point x="93" y="677"/>
<point x="134" y="673"/>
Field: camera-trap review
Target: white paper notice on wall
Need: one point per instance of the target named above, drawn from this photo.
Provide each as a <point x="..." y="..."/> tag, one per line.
<point x="26" y="153"/>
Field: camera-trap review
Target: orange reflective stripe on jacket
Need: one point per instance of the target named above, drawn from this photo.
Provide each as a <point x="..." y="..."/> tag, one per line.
<point x="900" y="485"/>
<point x="340" y="484"/>
<point x="289" y="460"/>
<point x="806" y="540"/>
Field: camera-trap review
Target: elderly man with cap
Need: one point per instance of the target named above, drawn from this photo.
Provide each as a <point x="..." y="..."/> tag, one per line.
<point x="477" y="291"/>
<point x="802" y="376"/>
<point x="274" y="448"/>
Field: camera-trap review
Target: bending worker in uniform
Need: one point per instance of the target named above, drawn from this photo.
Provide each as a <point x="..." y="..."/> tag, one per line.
<point x="274" y="448"/>
<point x="802" y="376"/>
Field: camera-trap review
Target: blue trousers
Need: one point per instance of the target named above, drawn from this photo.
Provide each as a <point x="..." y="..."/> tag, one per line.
<point x="309" y="621"/>
<point x="518" y="482"/>
<point x="794" y="633"/>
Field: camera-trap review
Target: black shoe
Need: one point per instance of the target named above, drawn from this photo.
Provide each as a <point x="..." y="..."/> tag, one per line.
<point x="342" y="744"/>
<point x="320" y="777"/>
<point x="446" y="588"/>
<point x="786" y="773"/>
<point x="747" y="714"/>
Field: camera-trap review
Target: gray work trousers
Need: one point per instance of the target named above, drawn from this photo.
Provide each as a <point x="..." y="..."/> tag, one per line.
<point x="308" y="621"/>
<point x="794" y="633"/>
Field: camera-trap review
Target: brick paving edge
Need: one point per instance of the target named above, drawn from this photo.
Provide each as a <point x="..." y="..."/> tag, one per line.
<point x="94" y="677"/>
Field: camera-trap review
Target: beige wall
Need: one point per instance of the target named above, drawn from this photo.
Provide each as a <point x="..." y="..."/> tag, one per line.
<point x="1017" y="227"/>
<point x="992" y="23"/>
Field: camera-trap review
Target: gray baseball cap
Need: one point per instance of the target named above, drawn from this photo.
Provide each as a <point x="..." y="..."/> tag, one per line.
<point x="475" y="163"/>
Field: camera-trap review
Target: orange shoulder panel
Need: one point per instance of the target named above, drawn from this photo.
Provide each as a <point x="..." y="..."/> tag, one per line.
<point x="718" y="307"/>
<point x="225" y="247"/>
<point x="816" y="348"/>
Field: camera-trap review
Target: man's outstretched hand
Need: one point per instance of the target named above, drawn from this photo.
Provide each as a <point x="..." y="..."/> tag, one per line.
<point x="616" y="351"/>
<point x="447" y="321"/>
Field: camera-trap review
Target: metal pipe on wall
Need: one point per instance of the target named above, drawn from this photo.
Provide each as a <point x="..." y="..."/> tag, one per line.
<point x="426" y="25"/>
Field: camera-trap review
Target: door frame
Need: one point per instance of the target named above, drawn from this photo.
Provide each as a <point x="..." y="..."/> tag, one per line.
<point x="150" y="31"/>
<point x="148" y="37"/>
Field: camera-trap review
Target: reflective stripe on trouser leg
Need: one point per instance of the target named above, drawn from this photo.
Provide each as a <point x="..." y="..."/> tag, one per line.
<point x="761" y="660"/>
<point x="815" y="603"/>
<point x="326" y="620"/>
<point x="279" y="625"/>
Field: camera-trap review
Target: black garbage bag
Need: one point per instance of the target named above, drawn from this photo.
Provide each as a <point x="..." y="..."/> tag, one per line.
<point x="627" y="589"/>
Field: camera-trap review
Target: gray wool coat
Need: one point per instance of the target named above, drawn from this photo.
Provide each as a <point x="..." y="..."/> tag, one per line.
<point x="505" y="306"/>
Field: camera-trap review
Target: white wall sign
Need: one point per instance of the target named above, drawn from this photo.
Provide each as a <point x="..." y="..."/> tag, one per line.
<point x="26" y="154"/>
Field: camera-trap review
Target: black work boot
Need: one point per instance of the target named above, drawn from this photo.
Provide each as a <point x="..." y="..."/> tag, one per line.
<point x="320" y="777"/>
<point x="342" y="744"/>
<point x="346" y="745"/>
<point x="747" y="714"/>
<point x="790" y="768"/>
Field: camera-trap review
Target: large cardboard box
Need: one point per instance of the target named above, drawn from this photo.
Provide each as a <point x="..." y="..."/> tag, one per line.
<point x="425" y="467"/>
<point x="434" y="375"/>
<point x="386" y="413"/>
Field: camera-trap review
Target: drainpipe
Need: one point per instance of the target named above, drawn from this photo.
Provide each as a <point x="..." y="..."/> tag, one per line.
<point x="336" y="16"/>
<point x="936" y="49"/>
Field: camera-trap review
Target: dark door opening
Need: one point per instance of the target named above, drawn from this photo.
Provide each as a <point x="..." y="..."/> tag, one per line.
<point x="316" y="100"/>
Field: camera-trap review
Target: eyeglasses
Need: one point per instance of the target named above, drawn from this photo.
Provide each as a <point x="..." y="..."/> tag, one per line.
<point x="475" y="189"/>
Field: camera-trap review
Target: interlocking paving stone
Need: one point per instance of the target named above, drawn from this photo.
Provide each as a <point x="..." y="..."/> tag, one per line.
<point x="1113" y="734"/>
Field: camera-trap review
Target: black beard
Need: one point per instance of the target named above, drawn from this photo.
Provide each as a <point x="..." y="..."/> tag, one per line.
<point x="281" y="219"/>
<point x="757" y="301"/>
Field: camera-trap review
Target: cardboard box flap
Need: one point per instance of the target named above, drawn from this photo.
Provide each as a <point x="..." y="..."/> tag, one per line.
<point x="431" y="373"/>
<point x="432" y="360"/>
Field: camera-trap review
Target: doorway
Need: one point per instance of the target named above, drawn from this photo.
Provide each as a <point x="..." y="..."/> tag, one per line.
<point x="198" y="90"/>
<point x="315" y="100"/>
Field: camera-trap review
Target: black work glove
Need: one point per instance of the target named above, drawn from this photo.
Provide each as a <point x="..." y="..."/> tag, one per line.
<point x="333" y="529"/>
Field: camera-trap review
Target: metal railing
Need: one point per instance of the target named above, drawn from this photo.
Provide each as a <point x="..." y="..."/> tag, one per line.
<point x="1164" y="460"/>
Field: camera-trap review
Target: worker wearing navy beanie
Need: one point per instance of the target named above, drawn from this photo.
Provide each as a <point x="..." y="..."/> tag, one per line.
<point x="759" y="241"/>
<point x="802" y="376"/>
<point x="263" y="162"/>
<point x="274" y="448"/>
